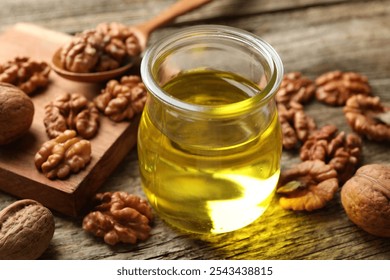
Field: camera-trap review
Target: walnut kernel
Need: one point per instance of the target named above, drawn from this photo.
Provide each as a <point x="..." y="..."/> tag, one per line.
<point x="63" y="155"/>
<point x="103" y="48"/>
<point x="71" y="111"/>
<point x="361" y="113"/>
<point x="122" y="100"/>
<point x="308" y="186"/>
<point x="296" y="124"/>
<point x="335" y="87"/>
<point x="119" y="217"/>
<point x="26" y="74"/>
<point x="341" y="151"/>
<point x="295" y="87"/>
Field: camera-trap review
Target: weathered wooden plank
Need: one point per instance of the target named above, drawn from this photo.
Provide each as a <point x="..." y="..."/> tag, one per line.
<point x="73" y="16"/>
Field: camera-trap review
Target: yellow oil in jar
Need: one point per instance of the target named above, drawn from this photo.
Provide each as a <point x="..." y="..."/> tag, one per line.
<point x="212" y="186"/>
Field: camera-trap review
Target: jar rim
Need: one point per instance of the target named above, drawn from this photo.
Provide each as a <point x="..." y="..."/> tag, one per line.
<point x="221" y="31"/>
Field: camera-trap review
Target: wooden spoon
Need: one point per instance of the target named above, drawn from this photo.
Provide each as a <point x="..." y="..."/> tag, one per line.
<point x="141" y="31"/>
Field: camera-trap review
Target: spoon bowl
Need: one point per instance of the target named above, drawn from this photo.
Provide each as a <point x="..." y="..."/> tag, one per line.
<point x="142" y="33"/>
<point x="93" y="77"/>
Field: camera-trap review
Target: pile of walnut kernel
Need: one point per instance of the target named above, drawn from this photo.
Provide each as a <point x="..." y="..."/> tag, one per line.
<point x="71" y="120"/>
<point x="329" y="157"/>
<point x="103" y="48"/>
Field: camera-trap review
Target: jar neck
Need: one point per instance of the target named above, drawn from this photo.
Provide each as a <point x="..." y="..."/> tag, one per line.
<point x="169" y="57"/>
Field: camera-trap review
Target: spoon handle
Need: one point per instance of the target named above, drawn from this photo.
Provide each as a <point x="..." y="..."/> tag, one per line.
<point x="179" y="8"/>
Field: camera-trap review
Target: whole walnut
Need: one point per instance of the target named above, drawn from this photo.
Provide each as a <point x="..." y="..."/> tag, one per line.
<point x="365" y="198"/>
<point x="26" y="229"/>
<point x="16" y="113"/>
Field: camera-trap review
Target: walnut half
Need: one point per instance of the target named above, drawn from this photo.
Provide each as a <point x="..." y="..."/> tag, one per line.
<point x="340" y="150"/>
<point x="119" y="217"/>
<point x="362" y="114"/>
<point x="71" y="111"/>
<point x="296" y="124"/>
<point x="122" y="100"/>
<point x="335" y="87"/>
<point x="295" y="87"/>
<point x="26" y="74"/>
<point x="63" y="155"/>
<point x="308" y="186"/>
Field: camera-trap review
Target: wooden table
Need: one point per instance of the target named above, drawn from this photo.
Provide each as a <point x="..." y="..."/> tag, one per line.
<point x="311" y="36"/>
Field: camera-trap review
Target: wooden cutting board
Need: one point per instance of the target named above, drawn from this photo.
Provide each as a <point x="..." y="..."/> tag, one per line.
<point x="18" y="175"/>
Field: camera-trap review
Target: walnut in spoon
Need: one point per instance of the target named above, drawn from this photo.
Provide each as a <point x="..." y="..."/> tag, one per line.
<point x="109" y="50"/>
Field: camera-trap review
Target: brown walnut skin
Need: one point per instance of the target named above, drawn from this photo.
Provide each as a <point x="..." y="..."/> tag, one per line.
<point x="365" y="198"/>
<point x="16" y="113"/>
<point x="26" y="229"/>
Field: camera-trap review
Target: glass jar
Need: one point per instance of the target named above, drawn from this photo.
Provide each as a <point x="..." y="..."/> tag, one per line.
<point x="209" y="140"/>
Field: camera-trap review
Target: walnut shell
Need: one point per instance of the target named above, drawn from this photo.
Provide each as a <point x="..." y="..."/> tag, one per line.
<point x="16" y="113"/>
<point x="365" y="198"/>
<point x="26" y="229"/>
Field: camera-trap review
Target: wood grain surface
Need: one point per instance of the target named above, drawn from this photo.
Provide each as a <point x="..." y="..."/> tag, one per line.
<point x="312" y="37"/>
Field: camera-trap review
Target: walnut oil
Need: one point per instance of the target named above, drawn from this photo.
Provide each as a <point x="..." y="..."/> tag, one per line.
<point x="209" y="141"/>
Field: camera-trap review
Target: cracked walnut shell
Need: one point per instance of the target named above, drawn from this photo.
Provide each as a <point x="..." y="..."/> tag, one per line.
<point x="295" y="87"/>
<point x="71" y="111"/>
<point x="365" y="198"/>
<point x="119" y="217"/>
<point x="26" y="74"/>
<point x="63" y="155"/>
<point x="363" y="115"/>
<point x="122" y="100"/>
<point x="335" y="87"/>
<point x="308" y="186"/>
